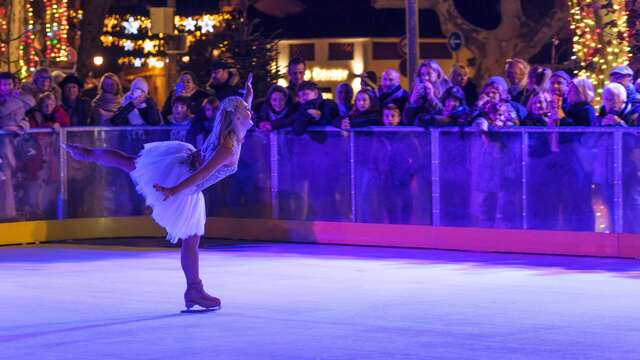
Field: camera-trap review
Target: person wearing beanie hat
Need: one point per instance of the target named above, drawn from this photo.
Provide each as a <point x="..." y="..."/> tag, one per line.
<point x="74" y="104"/>
<point x="623" y="75"/>
<point x="497" y="89"/>
<point x="41" y="82"/>
<point x="454" y="111"/>
<point x="138" y="108"/>
<point x="559" y="87"/>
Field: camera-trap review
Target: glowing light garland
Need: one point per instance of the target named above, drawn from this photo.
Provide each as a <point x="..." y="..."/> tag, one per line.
<point x="133" y="35"/>
<point x="4" y="25"/>
<point x="600" y="38"/>
<point x="56" y="29"/>
<point x="28" y="59"/>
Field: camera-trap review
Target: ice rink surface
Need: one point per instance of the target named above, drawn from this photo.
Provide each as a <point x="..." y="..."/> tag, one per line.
<point x="97" y="300"/>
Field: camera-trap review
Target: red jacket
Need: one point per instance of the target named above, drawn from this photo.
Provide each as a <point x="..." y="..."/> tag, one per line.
<point x="38" y="120"/>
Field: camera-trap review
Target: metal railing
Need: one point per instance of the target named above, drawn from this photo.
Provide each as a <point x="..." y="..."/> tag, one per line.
<point x="582" y="179"/>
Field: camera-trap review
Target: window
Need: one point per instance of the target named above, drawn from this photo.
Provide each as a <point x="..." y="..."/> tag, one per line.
<point x="304" y="51"/>
<point x="386" y="51"/>
<point x="340" y="51"/>
<point x="434" y="51"/>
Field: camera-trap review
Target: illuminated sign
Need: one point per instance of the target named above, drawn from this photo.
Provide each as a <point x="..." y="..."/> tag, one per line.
<point x="330" y="75"/>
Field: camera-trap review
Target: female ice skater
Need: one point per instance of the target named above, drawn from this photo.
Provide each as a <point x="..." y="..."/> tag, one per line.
<point x="171" y="176"/>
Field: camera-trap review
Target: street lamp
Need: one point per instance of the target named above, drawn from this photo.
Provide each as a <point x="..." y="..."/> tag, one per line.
<point x="98" y="60"/>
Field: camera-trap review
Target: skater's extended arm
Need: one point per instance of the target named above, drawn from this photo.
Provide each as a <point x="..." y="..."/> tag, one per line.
<point x="222" y="156"/>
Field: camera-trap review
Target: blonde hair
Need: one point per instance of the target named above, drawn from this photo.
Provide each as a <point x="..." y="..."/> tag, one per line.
<point x="43" y="98"/>
<point x="585" y="88"/>
<point x="113" y="77"/>
<point x="545" y="95"/>
<point x="442" y="82"/>
<point x="458" y="69"/>
<point x="224" y="133"/>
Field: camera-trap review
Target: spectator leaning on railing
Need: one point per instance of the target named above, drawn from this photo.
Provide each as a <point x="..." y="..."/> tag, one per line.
<point x="366" y="112"/>
<point x="47" y="113"/>
<point x="496" y="90"/>
<point x="275" y="111"/>
<point x="313" y="109"/>
<point x="454" y="111"/>
<point x="615" y="109"/>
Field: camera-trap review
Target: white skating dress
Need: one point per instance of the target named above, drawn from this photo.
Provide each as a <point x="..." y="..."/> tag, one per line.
<point x="167" y="163"/>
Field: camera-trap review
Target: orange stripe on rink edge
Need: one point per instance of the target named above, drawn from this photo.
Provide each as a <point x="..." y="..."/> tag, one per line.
<point x="418" y="236"/>
<point x="26" y="232"/>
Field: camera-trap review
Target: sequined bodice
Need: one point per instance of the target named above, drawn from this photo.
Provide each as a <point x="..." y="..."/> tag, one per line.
<point x="221" y="172"/>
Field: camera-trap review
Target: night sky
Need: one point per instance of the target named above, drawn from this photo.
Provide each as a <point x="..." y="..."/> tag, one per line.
<point x="356" y="18"/>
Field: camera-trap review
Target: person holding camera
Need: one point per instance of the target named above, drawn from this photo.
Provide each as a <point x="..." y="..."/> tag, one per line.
<point x="138" y="108"/>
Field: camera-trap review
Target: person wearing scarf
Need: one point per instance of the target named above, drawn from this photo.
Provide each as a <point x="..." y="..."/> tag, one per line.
<point x="108" y="101"/>
<point x="138" y="108"/>
<point x="366" y="112"/>
<point x="390" y="90"/>
<point x="274" y="113"/>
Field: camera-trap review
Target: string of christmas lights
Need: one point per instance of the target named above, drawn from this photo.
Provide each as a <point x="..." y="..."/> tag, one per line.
<point x="133" y="35"/>
<point x="4" y="25"/>
<point x="28" y="59"/>
<point x="56" y="29"/>
<point x="600" y="38"/>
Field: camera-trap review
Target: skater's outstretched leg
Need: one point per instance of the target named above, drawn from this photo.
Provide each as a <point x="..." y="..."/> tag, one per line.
<point x="105" y="157"/>
<point x="189" y="259"/>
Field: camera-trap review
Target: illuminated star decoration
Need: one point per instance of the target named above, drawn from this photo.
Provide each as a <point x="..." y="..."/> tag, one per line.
<point x="190" y="24"/>
<point x="131" y="26"/>
<point x="128" y="45"/>
<point x="137" y="62"/>
<point x="148" y="46"/>
<point x="206" y="24"/>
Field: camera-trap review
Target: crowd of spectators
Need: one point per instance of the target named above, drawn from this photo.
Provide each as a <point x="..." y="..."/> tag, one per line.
<point x="525" y="95"/>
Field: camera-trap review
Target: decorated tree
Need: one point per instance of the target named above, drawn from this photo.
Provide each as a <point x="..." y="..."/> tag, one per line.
<point x="525" y="27"/>
<point x="242" y="45"/>
<point x="633" y="23"/>
<point x="600" y="37"/>
<point x="12" y="18"/>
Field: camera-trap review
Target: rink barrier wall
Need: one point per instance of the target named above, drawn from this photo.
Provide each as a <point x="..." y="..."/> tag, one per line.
<point x="322" y="232"/>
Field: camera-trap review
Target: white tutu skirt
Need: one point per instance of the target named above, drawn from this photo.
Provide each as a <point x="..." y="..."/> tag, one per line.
<point x="167" y="163"/>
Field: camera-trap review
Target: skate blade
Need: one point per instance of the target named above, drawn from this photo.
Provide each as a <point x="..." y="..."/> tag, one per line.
<point x="200" y="311"/>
